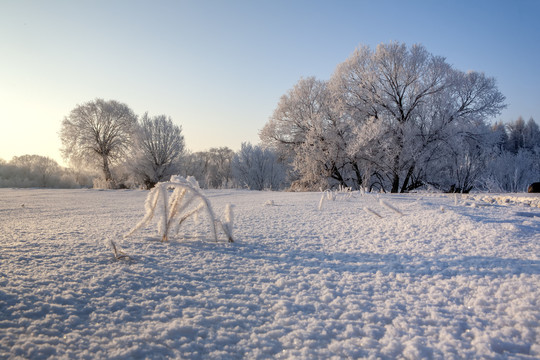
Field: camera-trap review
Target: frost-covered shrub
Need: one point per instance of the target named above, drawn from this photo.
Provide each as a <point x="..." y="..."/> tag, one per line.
<point x="185" y="201"/>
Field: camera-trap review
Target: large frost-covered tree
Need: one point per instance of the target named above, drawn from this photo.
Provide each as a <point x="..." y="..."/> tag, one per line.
<point x="160" y="145"/>
<point x="413" y="101"/>
<point x="388" y="116"/>
<point x="99" y="134"/>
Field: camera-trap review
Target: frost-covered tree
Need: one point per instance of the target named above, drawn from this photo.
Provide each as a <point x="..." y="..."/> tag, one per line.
<point x="41" y="168"/>
<point x="219" y="174"/>
<point x="514" y="162"/>
<point x="516" y="137"/>
<point x="388" y="86"/>
<point x="522" y="135"/>
<point x="258" y="168"/>
<point x="509" y="172"/>
<point x="500" y="136"/>
<point x="465" y="161"/>
<point x="212" y="167"/>
<point x="306" y="128"/>
<point x="385" y="117"/>
<point x="531" y="135"/>
<point x="410" y="101"/>
<point x="98" y="134"/>
<point x="194" y="164"/>
<point x="160" y="145"/>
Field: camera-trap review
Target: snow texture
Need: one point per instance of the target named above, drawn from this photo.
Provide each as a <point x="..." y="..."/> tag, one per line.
<point x="453" y="277"/>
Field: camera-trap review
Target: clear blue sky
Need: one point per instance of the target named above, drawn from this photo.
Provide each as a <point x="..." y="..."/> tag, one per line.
<point x="218" y="68"/>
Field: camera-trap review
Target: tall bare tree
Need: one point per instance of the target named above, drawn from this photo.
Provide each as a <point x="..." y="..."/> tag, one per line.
<point x="160" y="145"/>
<point x="98" y="134"/>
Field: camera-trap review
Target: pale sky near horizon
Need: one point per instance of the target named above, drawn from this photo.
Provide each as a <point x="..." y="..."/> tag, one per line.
<point x="218" y="68"/>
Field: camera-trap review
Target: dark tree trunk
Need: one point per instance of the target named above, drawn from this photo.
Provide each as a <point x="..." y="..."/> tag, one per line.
<point x="407" y="179"/>
<point x="337" y="176"/>
<point x="106" y="169"/>
<point x="395" y="184"/>
<point x="358" y="175"/>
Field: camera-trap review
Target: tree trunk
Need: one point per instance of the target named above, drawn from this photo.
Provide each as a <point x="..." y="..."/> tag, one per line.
<point x="358" y="174"/>
<point x="106" y="169"/>
<point x="395" y="184"/>
<point x="337" y="176"/>
<point x="407" y="178"/>
<point x="395" y="180"/>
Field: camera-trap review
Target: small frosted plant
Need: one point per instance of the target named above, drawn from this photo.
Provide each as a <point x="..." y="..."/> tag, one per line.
<point x="330" y="195"/>
<point x="186" y="201"/>
<point x="321" y="202"/>
<point x="118" y="253"/>
<point x="269" y="203"/>
<point x="227" y="225"/>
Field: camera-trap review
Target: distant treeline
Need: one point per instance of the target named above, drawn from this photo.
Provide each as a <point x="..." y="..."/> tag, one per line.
<point x="40" y="171"/>
<point x="252" y="167"/>
<point x="511" y="166"/>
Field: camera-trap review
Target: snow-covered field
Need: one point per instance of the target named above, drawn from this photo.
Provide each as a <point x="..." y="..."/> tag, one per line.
<point x="452" y="277"/>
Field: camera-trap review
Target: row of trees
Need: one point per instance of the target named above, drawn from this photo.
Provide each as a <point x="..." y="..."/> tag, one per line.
<point x="128" y="151"/>
<point x="107" y="134"/>
<point x="252" y="167"/>
<point x="40" y="171"/>
<point x="514" y="161"/>
<point x="508" y="167"/>
<point x="394" y="119"/>
<point x="511" y="165"/>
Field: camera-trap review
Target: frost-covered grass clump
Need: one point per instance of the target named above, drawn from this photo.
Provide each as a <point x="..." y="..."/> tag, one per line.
<point x="173" y="208"/>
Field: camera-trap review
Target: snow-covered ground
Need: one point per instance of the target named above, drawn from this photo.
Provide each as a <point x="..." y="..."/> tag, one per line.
<point x="452" y="277"/>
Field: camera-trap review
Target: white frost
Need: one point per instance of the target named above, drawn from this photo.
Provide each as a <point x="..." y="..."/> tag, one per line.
<point x="299" y="283"/>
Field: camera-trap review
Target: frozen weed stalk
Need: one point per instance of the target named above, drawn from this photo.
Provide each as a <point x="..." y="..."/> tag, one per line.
<point x="342" y="191"/>
<point x="185" y="201"/>
<point x="118" y="253"/>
